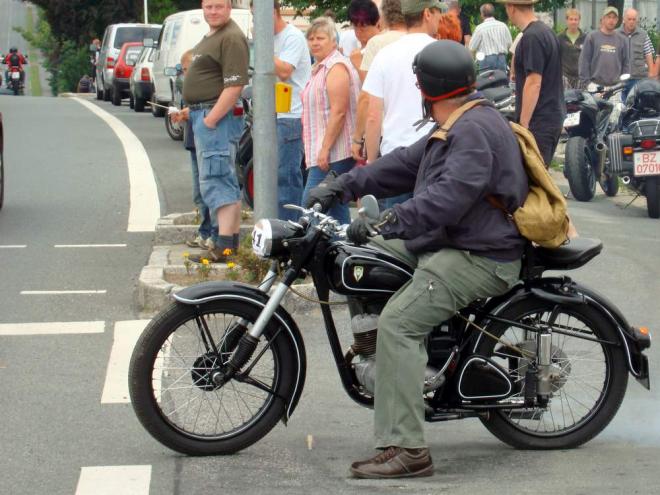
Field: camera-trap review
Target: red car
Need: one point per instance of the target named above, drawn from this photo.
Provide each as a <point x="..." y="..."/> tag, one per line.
<point x="123" y="69"/>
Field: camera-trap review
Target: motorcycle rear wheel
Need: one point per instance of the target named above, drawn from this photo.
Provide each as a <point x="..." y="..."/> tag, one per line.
<point x="586" y="396"/>
<point x="580" y="169"/>
<point x="176" y="401"/>
<point x="609" y="184"/>
<point x="652" y="191"/>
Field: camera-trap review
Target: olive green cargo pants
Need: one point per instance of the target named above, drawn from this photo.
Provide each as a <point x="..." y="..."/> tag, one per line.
<point x="443" y="282"/>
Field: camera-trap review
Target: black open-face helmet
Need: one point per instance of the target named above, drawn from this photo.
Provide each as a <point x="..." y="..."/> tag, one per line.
<point x="13" y="49"/>
<point x="444" y="69"/>
<point x="646" y="97"/>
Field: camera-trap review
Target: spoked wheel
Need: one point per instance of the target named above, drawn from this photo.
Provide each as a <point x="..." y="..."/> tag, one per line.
<point x="589" y="377"/>
<point x="171" y="379"/>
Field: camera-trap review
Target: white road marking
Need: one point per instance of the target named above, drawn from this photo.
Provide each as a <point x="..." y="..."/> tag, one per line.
<point x="145" y="205"/>
<point x="13" y="246"/>
<point x="114" y="480"/>
<point x="89" y="245"/>
<point x="52" y="328"/>
<point x="115" y="390"/>
<point x="58" y="292"/>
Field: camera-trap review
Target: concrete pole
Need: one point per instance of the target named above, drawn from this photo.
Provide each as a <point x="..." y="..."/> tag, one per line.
<point x="146" y="11"/>
<point x="595" y="21"/>
<point x="264" y="131"/>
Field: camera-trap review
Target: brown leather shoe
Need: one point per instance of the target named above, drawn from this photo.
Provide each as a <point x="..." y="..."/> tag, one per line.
<point x="395" y="462"/>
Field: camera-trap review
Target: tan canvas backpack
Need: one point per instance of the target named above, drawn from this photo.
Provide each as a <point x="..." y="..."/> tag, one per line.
<point x="542" y="218"/>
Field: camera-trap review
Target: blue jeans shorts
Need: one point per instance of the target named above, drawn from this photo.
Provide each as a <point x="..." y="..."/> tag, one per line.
<point x="289" y="175"/>
<point x="217" y="175"/>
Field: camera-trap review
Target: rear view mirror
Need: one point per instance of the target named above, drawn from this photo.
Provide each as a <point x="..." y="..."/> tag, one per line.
<point x="148" y="42"/>
<point x="170" y="71"/>
<point x="369" y="207"/>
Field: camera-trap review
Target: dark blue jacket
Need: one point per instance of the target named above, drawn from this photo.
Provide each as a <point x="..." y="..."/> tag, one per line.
<point x="450" y="180"/>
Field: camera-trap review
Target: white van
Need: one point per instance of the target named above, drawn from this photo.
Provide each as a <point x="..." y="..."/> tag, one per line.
<point x="181" y="32"/>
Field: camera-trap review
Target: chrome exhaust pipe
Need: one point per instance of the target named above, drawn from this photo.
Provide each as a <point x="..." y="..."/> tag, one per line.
<point x="625" y="179"/>
<point x="601" y="149"/>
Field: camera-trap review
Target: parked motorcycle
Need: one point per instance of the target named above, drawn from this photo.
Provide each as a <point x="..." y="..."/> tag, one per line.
<point x="544" y="366"/>
<point x="589" y="120"/>
<point x="244" y="164"/>
<point x="635" y="151"/>
<point x="495" y="86"/>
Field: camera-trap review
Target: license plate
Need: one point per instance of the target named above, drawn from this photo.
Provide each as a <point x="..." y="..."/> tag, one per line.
<point x="572" y="119"/>
<point x="15" y="75"/>
<point x="647" y="163"/>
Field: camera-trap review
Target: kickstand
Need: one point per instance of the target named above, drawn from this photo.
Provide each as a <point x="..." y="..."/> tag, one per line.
<point x="631" y="201"/>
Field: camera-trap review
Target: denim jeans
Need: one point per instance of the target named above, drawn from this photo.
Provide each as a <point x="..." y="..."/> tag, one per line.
<point x="497" y="61"/>
<point x="339" y="211"/>
<point x="208" y="226"/>
<point x="289" y="175"/>
<point x="217" y="175"/>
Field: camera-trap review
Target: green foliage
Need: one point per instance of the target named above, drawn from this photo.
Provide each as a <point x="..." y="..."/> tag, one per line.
<point x="339" y="7"/>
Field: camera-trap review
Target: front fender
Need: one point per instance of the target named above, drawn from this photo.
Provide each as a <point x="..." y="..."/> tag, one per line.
<point x="548" y="289"/>
<point x="213" y="291"/>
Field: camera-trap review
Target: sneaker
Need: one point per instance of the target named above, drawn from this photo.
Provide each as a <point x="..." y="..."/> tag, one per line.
<point x="197" y="242"/>
<point x="395" y="462"/>
<point x="214" y="255"/>
<point x="208" y="244"/>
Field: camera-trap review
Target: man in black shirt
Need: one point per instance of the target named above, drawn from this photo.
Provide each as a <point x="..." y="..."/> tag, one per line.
<point x="539" y="87"/>
<point x="455" y="8"/>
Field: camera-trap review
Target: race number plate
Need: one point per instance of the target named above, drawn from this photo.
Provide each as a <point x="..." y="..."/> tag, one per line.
<point x="261" y="236"/>
<point x="15" y="75"/>
<point x="647" y="163"/>
<point x="572" y="119"/>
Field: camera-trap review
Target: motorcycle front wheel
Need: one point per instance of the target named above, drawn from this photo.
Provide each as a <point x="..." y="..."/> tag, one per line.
<point x="579" y="169"/>
<point x="589" y="383"/>
<point x="172" y="391"/>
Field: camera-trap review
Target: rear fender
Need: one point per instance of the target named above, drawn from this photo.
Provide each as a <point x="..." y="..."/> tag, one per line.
<point x="234" y="291"/>
<point x="631" y="338"/>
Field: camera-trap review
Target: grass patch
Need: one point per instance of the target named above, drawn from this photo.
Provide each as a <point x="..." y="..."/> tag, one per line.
<point x="35" y="79"/>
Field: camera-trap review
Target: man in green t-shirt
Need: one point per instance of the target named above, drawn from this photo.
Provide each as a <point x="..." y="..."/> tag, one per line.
<point x="212" y="86"/>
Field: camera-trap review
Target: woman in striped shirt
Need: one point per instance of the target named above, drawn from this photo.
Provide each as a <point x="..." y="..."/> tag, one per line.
<point x="329" y="105"/>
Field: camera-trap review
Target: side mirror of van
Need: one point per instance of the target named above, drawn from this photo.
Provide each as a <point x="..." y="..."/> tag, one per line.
<point x="148" y="42"/>
<point x="170" y="71"/>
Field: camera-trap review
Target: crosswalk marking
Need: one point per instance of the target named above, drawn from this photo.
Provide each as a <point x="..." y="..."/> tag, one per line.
<point x="52" y="328"/>
<point x="114" y="480"/>
<point x="126" y="334"/>
<point x="13" y="246"/>
<point x="89" y="245"/>
<point x="57" y="292"/>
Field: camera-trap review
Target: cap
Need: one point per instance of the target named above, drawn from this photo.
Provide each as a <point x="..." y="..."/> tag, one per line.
<point x="415" y="6"/>
<point x="518" y="2"/>
<point x="610" y="10"/>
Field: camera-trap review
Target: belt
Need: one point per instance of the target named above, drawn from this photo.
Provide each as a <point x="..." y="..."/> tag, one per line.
<point x="203" y="105"/>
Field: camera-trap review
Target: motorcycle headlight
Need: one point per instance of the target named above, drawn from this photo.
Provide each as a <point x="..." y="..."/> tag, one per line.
<point x="270" y="235"/>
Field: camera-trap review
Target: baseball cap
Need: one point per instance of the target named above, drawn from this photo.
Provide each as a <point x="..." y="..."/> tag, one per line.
<point x="415" y="6"/>
<point x="610" y="10"/>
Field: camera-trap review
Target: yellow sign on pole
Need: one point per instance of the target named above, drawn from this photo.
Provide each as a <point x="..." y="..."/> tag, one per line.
<point x="283" y="92"/>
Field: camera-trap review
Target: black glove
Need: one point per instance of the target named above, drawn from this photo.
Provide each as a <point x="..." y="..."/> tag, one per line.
<point x="360" y="229"/>
<point x="327" y="193"/>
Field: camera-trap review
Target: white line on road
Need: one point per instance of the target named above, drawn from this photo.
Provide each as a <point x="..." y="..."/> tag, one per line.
<point x="13" y="246"/>
<point x="145" y="205"/>
<point x="114" y="480"/>
<point x="52" y="328"/>
<point x="89" y="245"/>
<point x="115" y="390"/>
<point x="58" y="292"/>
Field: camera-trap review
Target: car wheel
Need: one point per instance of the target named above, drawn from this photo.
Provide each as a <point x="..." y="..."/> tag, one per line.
<point x="139" y="104"/>
<point x="99" y="93"/>
<point x="116" y="96"/>
<point x="156" y="111"/>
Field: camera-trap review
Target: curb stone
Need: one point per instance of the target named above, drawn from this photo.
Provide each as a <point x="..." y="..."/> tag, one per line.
<point x="176" y="228"/>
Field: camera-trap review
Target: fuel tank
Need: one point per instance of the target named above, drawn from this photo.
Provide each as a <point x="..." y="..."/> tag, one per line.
<point x="357" y="270"/>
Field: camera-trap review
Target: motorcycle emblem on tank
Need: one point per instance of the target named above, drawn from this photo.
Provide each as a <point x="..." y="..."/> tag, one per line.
<point x="358" y="272"/>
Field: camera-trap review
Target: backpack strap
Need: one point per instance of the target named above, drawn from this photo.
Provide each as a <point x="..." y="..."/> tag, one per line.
<point x="442" y="132"/>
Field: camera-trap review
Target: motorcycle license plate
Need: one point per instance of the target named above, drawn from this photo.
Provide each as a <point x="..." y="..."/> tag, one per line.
<point x="572" y="119"/>
<point x="647" y="163"/>
<point x="15" y="75"/>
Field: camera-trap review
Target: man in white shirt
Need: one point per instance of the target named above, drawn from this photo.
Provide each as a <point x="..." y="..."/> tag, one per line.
<point x="492" y="38"/>
<point x="293" y="66"/>
<point x="395" y="105"/>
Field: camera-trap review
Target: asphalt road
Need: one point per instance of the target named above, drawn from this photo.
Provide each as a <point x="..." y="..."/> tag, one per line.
<point x="67" y="183"/>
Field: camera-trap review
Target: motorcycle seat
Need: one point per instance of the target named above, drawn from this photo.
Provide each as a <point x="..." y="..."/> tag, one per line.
<point x="572" y="255"/>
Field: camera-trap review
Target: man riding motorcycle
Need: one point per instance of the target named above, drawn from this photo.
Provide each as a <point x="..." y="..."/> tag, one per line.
<point x="12" y="60"/>
<point x="463" y="247"/>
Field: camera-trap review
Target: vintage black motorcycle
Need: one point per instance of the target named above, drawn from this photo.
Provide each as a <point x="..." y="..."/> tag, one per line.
<point x="635" y="150"/>
<point x="544" y="366"/>
<point x="588" y="122"/>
